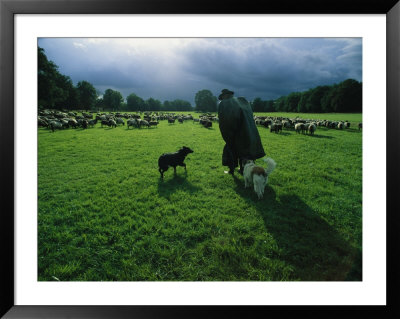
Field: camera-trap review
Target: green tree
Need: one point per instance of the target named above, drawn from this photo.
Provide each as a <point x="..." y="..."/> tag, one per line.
<point x="302" y="105"/>
<point x="50" y="94"/>
<point x="257" y="105"/>
<point x="71" y="95"/>
<point x="350" y="92"/>
<point x="166" y="106"/>
<point x="327" y="99"/>
<point x="113" y="99"/>
<point x="99" y="104"/>
<point x="153" y="105"/>
<point x="292" y="101"/>
<point x="180" y="105"/>
<point x="279" y="104"/>
<point x="314" y="102"/>
<point x="205" y="101"/>
<point x="134" y="102"/>
<point x="87" y="95"/>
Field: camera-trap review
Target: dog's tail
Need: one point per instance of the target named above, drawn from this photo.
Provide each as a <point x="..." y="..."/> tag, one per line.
<point x="270" y="165"/>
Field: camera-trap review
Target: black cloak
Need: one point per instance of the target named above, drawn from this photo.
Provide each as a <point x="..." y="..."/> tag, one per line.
<point x="239" y="131"/>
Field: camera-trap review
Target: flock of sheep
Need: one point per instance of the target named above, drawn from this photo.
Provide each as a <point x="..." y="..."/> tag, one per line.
<point x="54" y="120"/>
<point x="305" y="126"/>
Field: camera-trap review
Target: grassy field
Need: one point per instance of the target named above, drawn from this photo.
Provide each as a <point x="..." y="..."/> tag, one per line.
<point x="104" y="214"/>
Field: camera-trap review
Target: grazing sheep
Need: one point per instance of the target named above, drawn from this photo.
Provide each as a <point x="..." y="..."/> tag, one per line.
<point x="120" y="121"/>
<point x="299" y="127"/>
<point x="180" y="120"/>
<point x="73" y="123"/>
<point x="171" y="120"/>
<point x="112" y="123"/>
<point x="276" y="127"/>
<point x="84" y="124"/>
<point x="55" y="125"/>
<point x="64" y="123"/>
<point x="153" y="123"/>
<point x="206" y="123"/>
<point x="285" y="124"/>
<point x="132" y="123"/>
<point x="42" y="122"/>
<point x="92" y="123"/>
<point x="265" y="123"/>
<point x="311" y="128"/>
<point x="143" y="123"/>
<point x="340" y="125"/>
<point x="359" y="126"/>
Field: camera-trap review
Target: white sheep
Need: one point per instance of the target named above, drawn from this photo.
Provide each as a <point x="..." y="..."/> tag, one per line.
<point x="299" y="127"/>
<point x="312" y="128"/>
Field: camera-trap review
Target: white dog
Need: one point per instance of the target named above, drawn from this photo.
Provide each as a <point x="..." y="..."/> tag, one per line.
<point x="257" y="175"/>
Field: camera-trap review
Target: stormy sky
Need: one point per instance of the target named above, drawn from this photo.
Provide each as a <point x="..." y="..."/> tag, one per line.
<point x="177" y="68"/>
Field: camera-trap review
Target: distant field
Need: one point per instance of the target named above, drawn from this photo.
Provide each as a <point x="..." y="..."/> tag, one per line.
<point x="105" y="214"/>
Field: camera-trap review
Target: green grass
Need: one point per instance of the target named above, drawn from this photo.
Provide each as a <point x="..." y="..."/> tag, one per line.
<point x="104" y="214"/>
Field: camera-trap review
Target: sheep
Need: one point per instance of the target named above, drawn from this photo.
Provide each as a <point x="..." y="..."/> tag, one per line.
<point x="112" y="123"/>
<point x="171" y="120"/>
<point x="359" y="126"/>
<point x="299" y="127"/>
<point x="285" y="124"/>
<point x="42" y="122"/>
<point x="120" y="121"/>
<point x="73" y="123"/>
<point x="311" y="128"/>
<point x="153" y="123"/>
<point x="143" y="123"/>
<point x="132" y="123"/>
<point x="266" y="123"/>
<point x="55" y="125"/>
<point x="276" y="127"/>
<point x="84" y="124"/>
<point x="92" y="123"/>
<point x="340" y="125"/>
<point x="87" y="116"/>
<point x="206" y="123"/>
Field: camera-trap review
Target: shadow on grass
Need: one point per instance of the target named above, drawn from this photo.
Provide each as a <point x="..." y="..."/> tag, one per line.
<point x="312" y="247"/>
<point x="321" y="136"/>
<point x="282" y="133"/>
<point x="177" y="182"/>
<point x="352" y="130"/>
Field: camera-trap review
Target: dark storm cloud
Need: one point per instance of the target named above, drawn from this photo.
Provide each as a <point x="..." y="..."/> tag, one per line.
<point x="276" y="67"/>
<point x="169" y="69"/>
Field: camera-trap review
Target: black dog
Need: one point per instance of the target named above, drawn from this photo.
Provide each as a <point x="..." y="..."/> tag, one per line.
<point x="173" y="159"/>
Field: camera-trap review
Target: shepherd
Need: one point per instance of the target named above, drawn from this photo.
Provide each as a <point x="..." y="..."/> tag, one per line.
<point x="239" y="131"/>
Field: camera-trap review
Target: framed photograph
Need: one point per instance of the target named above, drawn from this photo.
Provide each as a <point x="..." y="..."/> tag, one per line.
<point x="104" y="217"/>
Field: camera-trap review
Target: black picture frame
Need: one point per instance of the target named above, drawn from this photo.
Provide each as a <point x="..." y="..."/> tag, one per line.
<point x="8" y="8"/>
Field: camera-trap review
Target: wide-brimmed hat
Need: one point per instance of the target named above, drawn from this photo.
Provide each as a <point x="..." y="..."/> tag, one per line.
<point x="225" y="92"/>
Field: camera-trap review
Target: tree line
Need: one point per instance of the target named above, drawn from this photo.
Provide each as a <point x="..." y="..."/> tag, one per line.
<point x="345" y="97"/>
<point x="57" y="91"/>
